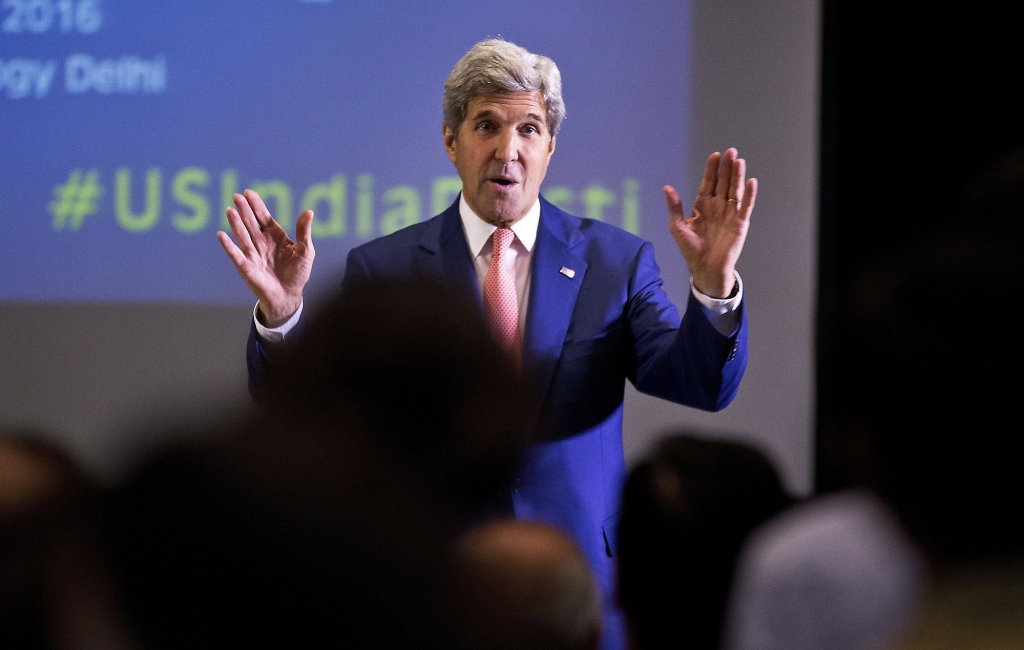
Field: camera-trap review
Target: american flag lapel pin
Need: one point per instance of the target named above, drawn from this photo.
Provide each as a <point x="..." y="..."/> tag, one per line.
<point x="567" y="272"/>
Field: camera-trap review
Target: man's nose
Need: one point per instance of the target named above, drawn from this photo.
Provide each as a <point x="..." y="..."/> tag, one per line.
<point x="508" y="147"/>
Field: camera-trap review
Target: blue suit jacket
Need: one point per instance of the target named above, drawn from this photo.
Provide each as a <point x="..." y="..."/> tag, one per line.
<point x="585" y="335"/>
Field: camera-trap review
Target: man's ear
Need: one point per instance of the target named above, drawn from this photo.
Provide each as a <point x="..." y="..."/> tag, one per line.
<point x="449" y="142"/>
<point x="551" y="146"/>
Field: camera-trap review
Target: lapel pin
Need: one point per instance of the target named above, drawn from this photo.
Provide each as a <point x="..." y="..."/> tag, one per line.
<point x="567" y="272"/>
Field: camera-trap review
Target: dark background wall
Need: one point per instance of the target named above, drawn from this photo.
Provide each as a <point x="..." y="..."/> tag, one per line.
<point x="918" y="107"/>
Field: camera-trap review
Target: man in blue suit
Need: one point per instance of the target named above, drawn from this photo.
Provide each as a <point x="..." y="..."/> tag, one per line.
<point x="577" y="302"/>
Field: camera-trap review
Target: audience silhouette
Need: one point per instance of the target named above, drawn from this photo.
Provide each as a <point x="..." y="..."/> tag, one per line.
<point x="522" y="585"/>
<point x="686" y="510"/>
<point x="327" y="521"/>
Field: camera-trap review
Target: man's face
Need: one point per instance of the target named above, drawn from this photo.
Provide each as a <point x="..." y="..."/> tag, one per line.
<point x="502" y="153"/>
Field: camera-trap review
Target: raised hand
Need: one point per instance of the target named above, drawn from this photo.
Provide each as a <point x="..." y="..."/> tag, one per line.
<point x="273" y="266"/>
<point x="711" y="239"/>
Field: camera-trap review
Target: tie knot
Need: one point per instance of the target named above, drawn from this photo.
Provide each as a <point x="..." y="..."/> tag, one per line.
<point x="503" y="239"/>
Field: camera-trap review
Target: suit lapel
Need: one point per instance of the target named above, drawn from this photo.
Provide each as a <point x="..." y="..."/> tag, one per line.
<point x="553" y="294"/>
<point x="443" y="254"/>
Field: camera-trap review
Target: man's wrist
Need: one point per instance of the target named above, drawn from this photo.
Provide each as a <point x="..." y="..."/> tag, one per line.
<point x="276" y="317"/>
<point x="275" y="334"/>
<point x="720" y="305"/>
<point x="722" y="313"/>
<point x="735" y="290"/>
<point x="715" y="286"/>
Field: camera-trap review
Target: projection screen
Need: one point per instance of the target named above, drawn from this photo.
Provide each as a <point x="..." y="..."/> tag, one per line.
<point x="126" y="127"/>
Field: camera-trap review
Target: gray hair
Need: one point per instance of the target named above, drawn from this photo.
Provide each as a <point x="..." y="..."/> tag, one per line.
<point x="497" y="66"/>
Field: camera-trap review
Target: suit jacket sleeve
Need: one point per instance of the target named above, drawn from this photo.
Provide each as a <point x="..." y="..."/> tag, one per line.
<point x="692" y="363"/>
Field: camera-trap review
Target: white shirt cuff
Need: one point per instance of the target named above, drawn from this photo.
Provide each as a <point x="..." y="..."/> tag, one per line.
<point x="722" y="312"/>
<point x="277" y="334"/>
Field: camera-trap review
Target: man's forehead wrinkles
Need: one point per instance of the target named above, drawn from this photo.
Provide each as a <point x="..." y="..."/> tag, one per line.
<point x="508" y="102"/>
<point x="490" y="113"/>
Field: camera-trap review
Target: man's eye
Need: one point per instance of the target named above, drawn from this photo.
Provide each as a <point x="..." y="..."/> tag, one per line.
<point x="483" y="126"/>
<point x="530" y="130"/>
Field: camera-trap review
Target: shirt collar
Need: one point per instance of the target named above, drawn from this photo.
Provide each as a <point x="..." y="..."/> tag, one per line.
<point x="479" y="231"/>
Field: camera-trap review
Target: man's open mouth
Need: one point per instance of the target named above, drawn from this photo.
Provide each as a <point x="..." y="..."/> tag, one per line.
<point x="505" y="182"/>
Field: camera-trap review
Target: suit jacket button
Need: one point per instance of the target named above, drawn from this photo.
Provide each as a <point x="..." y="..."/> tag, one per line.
<point x="517" y="485"/>
<point x="732" y="353"/>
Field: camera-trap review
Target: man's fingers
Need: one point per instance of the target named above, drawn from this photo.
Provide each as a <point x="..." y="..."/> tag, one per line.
<point x="244" y="209"/>
<point x="236" y="255"/>
<point x="259" y="208"/>
<point x="748" y="198"/>
<point x="253" y="227"/>
<point x="707" y="184"/>
<point x="304" y="230"/>
<point x="725" y="173"/>
<point x="739" y="172"/>
<point x="674" y="203"/>
<point x="241" y="232"/>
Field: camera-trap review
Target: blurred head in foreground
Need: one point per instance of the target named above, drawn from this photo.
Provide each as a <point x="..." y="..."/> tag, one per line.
<point x="414" y="366"/>
<point x="686" y="510"/>
<point x="522" y="585"/>
<point x="326" y="522"/>
<point x="54" y="587"/>
<point x="38" y="491"/>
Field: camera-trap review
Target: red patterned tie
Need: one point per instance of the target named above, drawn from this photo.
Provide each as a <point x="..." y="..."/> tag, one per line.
<point x="500" y="302"/>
